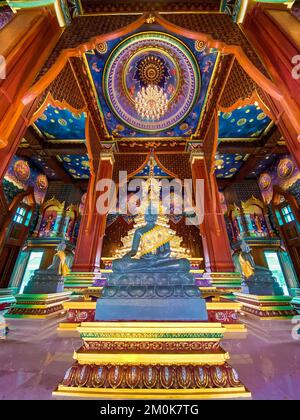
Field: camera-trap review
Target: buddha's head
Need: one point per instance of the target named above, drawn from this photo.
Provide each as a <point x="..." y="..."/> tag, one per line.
<point x="245" y="247"/>
<point x="61" y="246"/>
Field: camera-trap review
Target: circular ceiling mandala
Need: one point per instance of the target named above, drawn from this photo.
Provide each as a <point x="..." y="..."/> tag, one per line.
<point x="151" y="58"/>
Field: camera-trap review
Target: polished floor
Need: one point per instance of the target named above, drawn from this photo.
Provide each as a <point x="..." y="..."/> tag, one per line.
<point x="34" y="358"/>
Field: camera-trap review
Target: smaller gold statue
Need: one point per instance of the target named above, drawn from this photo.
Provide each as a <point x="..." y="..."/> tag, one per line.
<point x="246" y="260"/>
<point x="59" y="264"/>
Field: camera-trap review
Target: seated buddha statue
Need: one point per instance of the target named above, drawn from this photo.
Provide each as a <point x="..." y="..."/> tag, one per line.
<point x="153" y="242"/>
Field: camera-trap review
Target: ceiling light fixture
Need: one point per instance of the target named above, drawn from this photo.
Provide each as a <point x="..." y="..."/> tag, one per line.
<point x="151" y="103"/>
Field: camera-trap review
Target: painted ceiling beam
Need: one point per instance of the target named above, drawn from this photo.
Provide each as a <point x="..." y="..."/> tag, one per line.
<point x="238" y="147"/>
<point x="65" y="149"/>
<point x="37" y="148"/>
<point x="51" y="162"/>
<point x="250" y="165"/>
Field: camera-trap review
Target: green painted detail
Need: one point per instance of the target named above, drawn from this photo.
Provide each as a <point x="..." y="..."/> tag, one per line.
<point x="29" y="4"/>
<point x="8" y="299"/>
<point x="152" y="335"/>
<point x="32" y="297"/>
<point x="274" y="298"/>
<point x="227" y="285"/>
<point x="229" y="296"/>
<point x="226" y="274"/>
<point x="255" y="298"/>
<point x="79" y="284"/>
<point x="280" y="308"/>
<point x="77" y="281"/>
<point x="296" y="301"/>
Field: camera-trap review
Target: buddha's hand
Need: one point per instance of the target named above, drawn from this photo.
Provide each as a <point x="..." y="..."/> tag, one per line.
<point x="164" y="254"/>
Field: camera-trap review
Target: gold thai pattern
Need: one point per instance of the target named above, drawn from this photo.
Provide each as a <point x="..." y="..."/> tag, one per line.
<point x="151" y="377"/>
<point x="203" y="346"/>
<point x="153" y="239"/>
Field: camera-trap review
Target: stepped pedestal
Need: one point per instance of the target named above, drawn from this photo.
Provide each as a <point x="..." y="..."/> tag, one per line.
<point x="151" y="296"/>
<point x="43" y="296"/>
<point x="7" y="299"/>
<point x="38" y="329"/>
<point x="154" y="360"/>
<point x="86" y="288"/>
<point x="296" y="300"/>
<point x="266" y="307"/>
<point x="225" y="313"/>
<point x="78" y="283"/>
<point x="151" y="339"/>
<point x="76" y="313"/>
<point x="225" y="283"/>
<point x="40" y="306"/>
<point x="218" y="289"/>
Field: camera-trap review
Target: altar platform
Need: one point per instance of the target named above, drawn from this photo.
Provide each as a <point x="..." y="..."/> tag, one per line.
<point x="151" y="360"/>
<point x="31" y="368"/>
<point x="224" y="312"/>
<point x="266" y="307"/>
<point x="7" y="299"/>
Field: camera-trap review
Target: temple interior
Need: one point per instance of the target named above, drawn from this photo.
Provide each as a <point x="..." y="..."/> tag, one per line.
<point x="149" y="199"/>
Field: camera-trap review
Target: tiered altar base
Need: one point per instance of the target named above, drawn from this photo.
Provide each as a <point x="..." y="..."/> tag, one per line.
<point x="225" y="283"/>
<point x="76" y="313"/>
<point x="78" y="283"/>
<point x="266" y="307"/>
<point x="81" y="307"/>
<point x="7" y="299"/>
<point x="86" y="288"/>
<point x="296" y="303"/>
<point x="152" y="360"/>
<point x="225" y="313"/>
<point x="38" y="329"/>
<point x="296" y="300"/>
<point x="40" y="306"/>
<point x="218" y="289"/>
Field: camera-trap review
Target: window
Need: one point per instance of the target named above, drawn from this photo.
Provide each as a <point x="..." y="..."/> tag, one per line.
<point x="33" y="264"/>
<point x="275" y="266"/>
<point x="28" y="218"/>
<point x="287" y="214"/>
<point x="20" y="215"/>
<point x="279" y="218"/>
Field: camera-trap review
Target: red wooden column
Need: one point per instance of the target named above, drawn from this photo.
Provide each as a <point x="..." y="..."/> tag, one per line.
<point x="25" y="43"/>
<point x="92" y="229"/>
<point x="216" y="246"/>
<point x="270" y="29"/>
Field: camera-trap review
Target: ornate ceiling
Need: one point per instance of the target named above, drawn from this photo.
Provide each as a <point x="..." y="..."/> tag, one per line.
<point x="61" y="124"/>
<point x="196" y="79"/>
<point x="76" y="165"/>
<point x="121" y="68"/>
<point x="227" y="165"/>
<point x="246" y="123"/>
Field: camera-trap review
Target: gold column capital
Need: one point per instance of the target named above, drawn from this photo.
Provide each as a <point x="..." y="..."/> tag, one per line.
<point x="108" y="148"/>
